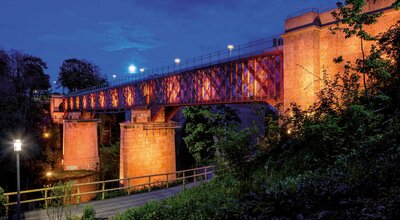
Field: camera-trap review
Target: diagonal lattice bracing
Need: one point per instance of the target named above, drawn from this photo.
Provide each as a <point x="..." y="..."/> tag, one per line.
<point x="251" y="79"/>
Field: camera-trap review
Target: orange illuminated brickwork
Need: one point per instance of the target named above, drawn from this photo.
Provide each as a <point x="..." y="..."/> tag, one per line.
<point x="80" y="148"/>
<point x="310" y="47"/>
<point x="57" y="114"/>
<point x="147" y="148"/>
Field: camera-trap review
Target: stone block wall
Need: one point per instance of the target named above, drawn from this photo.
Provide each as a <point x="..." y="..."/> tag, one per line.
<point x="146" y="150"/>
<point x="80" y="145"/>
<point x="310" y="47"/>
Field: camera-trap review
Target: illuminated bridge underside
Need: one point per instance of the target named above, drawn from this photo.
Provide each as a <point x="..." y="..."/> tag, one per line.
<point x="253" y="79"/>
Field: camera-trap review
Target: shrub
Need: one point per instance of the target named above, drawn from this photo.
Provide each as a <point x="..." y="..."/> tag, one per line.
<point x="3" y="201"/>
<point x="89" y="213"/>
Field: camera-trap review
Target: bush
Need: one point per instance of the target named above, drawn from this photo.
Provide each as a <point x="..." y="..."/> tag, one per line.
<point x="89" y="213"/>
<point x="212" y="200"/>
<point x="3" y="201"/>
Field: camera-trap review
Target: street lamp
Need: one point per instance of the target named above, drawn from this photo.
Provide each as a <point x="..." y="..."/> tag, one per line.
<point x="141" y="70"/>
<point x="17" y="149"/>
<point x="230" y="48"/>
<point x="114" y="76"/>
<point x="177" y="61"/>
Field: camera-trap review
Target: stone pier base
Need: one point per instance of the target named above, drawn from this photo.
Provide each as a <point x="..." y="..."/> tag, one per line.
<point x="80" y="146"/>
<point x="147" y="148"/>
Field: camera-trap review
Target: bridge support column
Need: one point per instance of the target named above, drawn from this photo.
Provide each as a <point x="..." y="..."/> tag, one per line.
<point x="147" y="148"/>
<point x="80" y="146"/>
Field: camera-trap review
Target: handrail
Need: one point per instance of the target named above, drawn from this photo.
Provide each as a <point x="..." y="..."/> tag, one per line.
<point x="180" y="175"/>
<point x="237" y="52"/>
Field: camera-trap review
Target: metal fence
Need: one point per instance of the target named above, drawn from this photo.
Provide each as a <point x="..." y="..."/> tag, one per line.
<point x="102" y="187"/>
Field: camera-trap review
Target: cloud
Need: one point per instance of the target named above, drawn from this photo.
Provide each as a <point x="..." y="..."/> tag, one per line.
<point x="121" y="37"/>
<point x="109" y="37"/>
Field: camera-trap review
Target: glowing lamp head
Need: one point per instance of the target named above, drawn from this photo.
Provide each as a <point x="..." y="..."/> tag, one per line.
<point x="230" y="47"/>
<point x="17" y="145"/>
<point x="177" y="61"/>
<point x="49" y="174"/>
<point x="132" y="68"/>
<point x="114" y="76"/>
<point x="46" y="135"/>
<point x="141" y="70"/>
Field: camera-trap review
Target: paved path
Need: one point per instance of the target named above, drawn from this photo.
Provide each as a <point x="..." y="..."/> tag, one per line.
<point x="110" y="207"/>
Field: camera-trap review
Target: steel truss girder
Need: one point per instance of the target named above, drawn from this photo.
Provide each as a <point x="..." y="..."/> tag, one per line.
<point x="253" y="79"/>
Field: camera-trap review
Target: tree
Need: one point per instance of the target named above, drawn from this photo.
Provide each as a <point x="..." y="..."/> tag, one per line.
<point x="78" y="74"/>
<point x="23" y="97"/>
<point x="200" y="128"/>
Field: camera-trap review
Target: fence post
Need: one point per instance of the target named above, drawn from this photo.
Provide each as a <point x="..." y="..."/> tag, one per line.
<point x="205" y="173"/>
<point x="103" y="193"/>
<point x="194" y="175"/>
<point x="79" y="196"/>
<point x="8" y="204"/>
<point x="45" y="198"/>
<point x="129" y="186"/>
<point x="183" y="179"/>
<point x="149" y="183"/>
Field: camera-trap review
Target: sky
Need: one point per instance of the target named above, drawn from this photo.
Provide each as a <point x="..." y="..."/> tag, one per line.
<point x="147" y="33"/>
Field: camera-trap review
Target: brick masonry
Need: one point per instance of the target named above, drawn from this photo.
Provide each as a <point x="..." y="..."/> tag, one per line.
<point x="310" y="47"/>
<point x="80" y="148"/>
<point x="145" y="150"/>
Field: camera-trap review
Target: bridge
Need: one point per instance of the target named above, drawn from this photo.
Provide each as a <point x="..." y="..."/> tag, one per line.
<point x="283" y="69"/>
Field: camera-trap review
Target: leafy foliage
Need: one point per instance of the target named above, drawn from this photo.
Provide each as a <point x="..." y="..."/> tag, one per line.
<point x="207" y="201"/>
<point x="89" y="213"/>
<point x="23" y="96"/>
<point x="201" y="125"/>
<point x="60" y="201"/>
<point x="109" y="168"/>
<point x="3" y="201"/>
<point x="78" y="74"/>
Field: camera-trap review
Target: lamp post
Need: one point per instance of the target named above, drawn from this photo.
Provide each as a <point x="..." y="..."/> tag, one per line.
<point x="177" y="61"/>
<point x="230" y="48"/>
<point x="17" y="149"/>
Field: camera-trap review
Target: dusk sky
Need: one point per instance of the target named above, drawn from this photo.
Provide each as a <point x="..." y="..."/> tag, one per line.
<point x="146" y="33"/>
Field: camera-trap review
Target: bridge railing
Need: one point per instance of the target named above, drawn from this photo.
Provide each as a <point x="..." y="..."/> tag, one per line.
<point x="221" y="56"/>
<point x="148" y="182"/>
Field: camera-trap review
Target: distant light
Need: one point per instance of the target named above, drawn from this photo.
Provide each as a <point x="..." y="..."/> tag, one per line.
<point x="132" y="68"/>
<point x="17" y="145"/>
<point x="55" y="82"/>
<point x="230" y="47"/>
<point x="114" y="76"/>
<point x="49" y="174"/>
<point x="177" y="61"/>
<point x="141" y="70"/>
<point x="289" y="131"/>
<point x="46" y="135"/>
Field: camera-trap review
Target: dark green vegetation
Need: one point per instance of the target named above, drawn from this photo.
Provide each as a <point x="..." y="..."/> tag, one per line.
<point x="24" y="114"/>
<point x="23" y="94"/>
<point x="339" y="159"/>
<point x="78" y="74"/>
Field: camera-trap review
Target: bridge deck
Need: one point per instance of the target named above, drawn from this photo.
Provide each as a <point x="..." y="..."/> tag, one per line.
<point x="110" y="207"/>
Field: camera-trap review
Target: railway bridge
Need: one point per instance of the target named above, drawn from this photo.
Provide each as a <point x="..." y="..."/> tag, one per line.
<point x="283" y="69"/>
